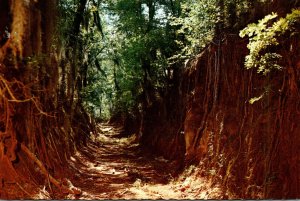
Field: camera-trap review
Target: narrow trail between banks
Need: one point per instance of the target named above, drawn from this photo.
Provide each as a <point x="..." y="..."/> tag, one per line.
<point x="116" y="168"/>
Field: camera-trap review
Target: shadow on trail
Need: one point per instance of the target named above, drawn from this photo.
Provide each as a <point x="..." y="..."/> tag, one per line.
<point x="115" y="168"/>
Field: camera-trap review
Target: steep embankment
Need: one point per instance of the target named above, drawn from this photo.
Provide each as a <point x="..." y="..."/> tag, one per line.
<point x="41" y="122"/>
<point x="252" y="150"/>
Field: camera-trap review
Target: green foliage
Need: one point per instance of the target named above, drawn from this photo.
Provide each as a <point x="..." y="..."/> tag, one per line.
<point x="127" y="45"/>
<point x="66" y="11"/>
<point x="143" y="41"/>
<point x="202" y="21"/>
<point x="99" y="93"/>
<point x="197" y="24"/>
<point x="123" y="45"/>
<point x="263" y="36"/>
<point x="94" y="65"/>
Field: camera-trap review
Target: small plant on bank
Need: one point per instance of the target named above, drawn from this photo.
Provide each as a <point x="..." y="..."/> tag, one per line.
<point x="263" y="36"/>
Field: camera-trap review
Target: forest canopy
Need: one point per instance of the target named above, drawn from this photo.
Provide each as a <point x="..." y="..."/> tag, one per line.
<point x="130" y="48"/>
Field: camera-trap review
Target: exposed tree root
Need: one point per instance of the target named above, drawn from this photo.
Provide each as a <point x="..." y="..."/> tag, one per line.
<point x="70" y="189"/>
<point x="27" y="193"/>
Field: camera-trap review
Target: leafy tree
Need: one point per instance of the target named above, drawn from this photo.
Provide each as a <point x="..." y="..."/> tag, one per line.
<point x="197" y="23"/>
<point x="143" y="40"/>
<point x="82" y="27"/>
<point x="203" y="21"/>
<point x="128" y="46"/>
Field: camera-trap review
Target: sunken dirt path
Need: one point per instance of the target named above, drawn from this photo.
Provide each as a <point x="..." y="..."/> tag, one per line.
<point x="115" y="168"/>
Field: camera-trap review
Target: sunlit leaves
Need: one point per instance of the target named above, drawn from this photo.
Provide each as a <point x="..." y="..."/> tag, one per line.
<point x="263" y="36"/>
<point x="197" y="24"/>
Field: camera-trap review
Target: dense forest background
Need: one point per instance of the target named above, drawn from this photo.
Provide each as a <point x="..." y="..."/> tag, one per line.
<point x="209" y="83"/>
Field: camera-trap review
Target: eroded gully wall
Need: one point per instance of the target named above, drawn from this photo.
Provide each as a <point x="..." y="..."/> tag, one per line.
<point x="34" y="118"/>
<point x="252" y="150"/>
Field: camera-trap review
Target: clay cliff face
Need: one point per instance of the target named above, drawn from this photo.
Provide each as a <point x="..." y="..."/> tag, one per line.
<point x="251" y="149"/>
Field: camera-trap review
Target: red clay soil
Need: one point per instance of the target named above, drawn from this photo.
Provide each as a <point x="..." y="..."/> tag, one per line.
<point x="117" y="168"/>
<point x="252" y="149"/>
<point x="108" y="167"/>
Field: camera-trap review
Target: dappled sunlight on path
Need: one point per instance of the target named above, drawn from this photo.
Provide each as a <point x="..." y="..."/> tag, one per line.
<point x="116" y="168"/>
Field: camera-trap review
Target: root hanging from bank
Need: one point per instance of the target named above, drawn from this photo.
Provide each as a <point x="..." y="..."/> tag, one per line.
<point x="65" y="189"/>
